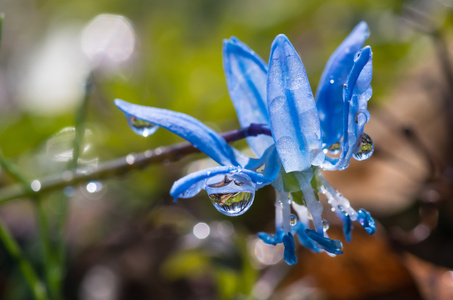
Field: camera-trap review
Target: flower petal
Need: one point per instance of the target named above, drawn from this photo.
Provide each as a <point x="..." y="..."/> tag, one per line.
<point x="293" y="116"/>
<point x="290" y="249"/>
<point x="329" y="245"/>
<point x="191" y="184"/>
<point x="366" y="221"/>
<point x="246" y="76"/>
<point x="202" y="137"/>
<point x="329" y="96"/>
<point x="356" y="93"/>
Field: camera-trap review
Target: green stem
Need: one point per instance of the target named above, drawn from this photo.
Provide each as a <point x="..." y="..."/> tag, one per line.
<point x="80" y="121"/>
<point x="29" y="274"/>
<point x="44" y="241"/>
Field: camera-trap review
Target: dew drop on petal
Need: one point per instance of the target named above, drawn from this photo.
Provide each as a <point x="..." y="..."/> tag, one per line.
<point x="361" y="118"/>
<point x="325" y="225"/>
<point x="365" y="149"/>
<point x="332" y="81"/>
<point x="293" y="220"/>
<point x="334" y="149"/>
<point x="142" y="127"/>
<point x="232" y="204"/>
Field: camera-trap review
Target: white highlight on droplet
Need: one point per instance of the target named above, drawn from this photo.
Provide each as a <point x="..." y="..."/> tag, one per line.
<point x="93" y="187"/>
<point x="201" y="230"/>
<point x="35" y="185"/>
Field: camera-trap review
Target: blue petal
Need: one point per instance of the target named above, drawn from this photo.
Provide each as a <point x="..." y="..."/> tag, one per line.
<point x="347" y="228"/>
<point x="290" y="249"/>
<point x="356" y="93"/>
<point x="271" y="239"/>
<point x="304" y="239"/>
<point x="271" y="164"/>
<point x="294" y="119"/>
<point x="329" y="245"/>
<point x="246" y="76"/>
<point x="202" y="137"/>
<point x="366" y="221"/>
<point x="329" y="96"/>
<point x="192" y="184"/>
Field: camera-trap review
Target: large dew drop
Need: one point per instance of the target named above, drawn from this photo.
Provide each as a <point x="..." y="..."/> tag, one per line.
<point x="142" y="127"/>
<point x="232" y="204"/>
<point x="365" y="149"/>
<point x="231" y="194"/>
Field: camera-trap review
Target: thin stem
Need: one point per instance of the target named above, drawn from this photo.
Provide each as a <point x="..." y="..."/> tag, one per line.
<point x="122" y="165"/>
<point x="29" y="274"/>
<point x="80" y="121"/>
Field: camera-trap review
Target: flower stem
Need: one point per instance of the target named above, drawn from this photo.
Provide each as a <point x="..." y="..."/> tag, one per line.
<point x="122" y="165"/>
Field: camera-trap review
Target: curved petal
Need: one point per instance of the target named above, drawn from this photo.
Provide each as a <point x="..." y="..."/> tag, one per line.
<point x="290" y="249"/>
<point x="293" y="116"/>
<point x="192" y="184"/>
<point x="329" y="96"/>
<point x="246" y="77"/>
<point x="329" y="245"/>
<point x="202" y="137"/>
<point x="356" y="93"/>
<point x="366" y="221"/>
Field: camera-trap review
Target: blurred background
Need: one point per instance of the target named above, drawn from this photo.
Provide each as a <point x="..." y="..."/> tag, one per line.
<point x="125" y="237"/>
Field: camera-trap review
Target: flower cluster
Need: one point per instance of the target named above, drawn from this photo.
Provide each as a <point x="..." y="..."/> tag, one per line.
<point x="303" y="137"/>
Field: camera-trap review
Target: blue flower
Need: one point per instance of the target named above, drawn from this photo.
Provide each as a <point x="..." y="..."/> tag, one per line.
<point x="305" y="138"/>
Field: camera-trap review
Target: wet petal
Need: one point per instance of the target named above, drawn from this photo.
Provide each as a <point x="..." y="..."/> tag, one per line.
<point x="356" y="93"/>
<point x="329" y="245"/>
<point x="366" y="221"/>
<point x="290" y="249"/>
<point x="271" y="239"/>
<point x="193" y="180"/>
<point x="329" y="96"/>
<point x="305" y="240"/>
<point x="246" y="76"/>
<point x="293" y="116"/>
<point x="202" y="137"/>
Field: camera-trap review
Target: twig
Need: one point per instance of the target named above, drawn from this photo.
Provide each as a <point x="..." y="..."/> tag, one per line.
<point x="121" y="165"/>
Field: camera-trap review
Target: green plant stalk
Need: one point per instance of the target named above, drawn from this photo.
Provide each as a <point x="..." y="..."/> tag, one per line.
<point x="41" y="217"/>
<point x="29" y="274"/>
<point x="80" y="121"/>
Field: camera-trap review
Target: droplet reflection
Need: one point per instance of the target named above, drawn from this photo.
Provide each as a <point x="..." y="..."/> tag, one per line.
<point x="142" y="127"/>
<point x="365" y="148"/>
<point x="231" y="194"/>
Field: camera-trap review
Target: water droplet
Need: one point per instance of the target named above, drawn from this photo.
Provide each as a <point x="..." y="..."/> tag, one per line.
<point x="332" y="81"/>
<point x="334" y="149"/>
<point x="333" y="209"/>
<point x="361" y="118"/>
<point x="365" y="148"/>
<point x="142" y="127"/>
<point x="158" y="151"/>
<point x="345" y="85"/>
<point x="94" y="187"/>
<point x="148" y="153"/>
<point x="201" y="230"/>
<point x="35" y="185"/>
<point x="223" y="182"/>
<point x="293" y="220"/>
<point x="232" y="204"/>
<point x="130" y="159"/>
<point x="325" y="225"/>
<point x="67" y="175"/>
